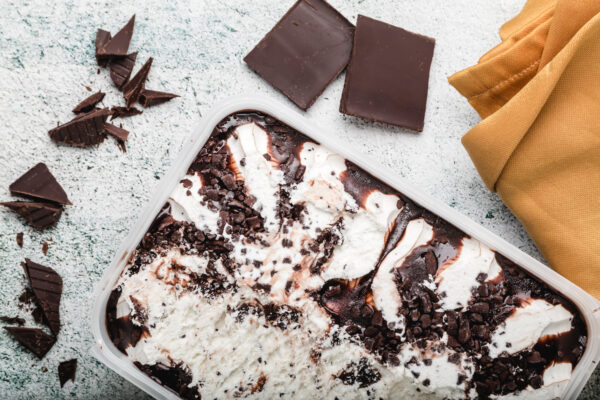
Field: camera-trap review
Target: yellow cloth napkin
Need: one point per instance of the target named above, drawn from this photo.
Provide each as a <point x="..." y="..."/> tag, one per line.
<point x="538" y="145"/>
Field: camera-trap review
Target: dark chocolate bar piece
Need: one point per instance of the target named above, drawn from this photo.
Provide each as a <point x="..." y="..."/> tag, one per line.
<point x="120" y="69"/>
<point x="135" y="86"/>
<point x="86" y="130"/>
<point x="307" y="49"/>
<point x="12" y="320"/>
<point x="89" y="103"/>
<point x="34" y="339"/>
<point x="102" y="37"/>
<point x="66" y="371"/>
<point x="119" y="44"/>
<point x="47" y="287"/>
<point x="119" y="133"/>
<point x="388" y="75"/>
<point x="38" y="215"/>
<point x="39" y="183"/>
<point x="150" y="98"/>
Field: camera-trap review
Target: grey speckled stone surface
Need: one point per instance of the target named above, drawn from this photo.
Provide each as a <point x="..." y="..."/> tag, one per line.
<point x="46" y="60"/>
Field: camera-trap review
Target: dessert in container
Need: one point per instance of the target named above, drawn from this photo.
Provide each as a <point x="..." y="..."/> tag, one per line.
<point x="106" y="351"/>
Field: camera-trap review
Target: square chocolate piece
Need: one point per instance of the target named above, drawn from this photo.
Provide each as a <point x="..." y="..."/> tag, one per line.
<point x="388" y="75"/>
<point x="307" y="49"/>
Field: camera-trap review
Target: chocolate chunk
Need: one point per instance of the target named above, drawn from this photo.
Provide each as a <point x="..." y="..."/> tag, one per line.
<point x="464" y="331"/>
<point x="535" y="358"/>
<point x="120" y="69"/>
<point x="149" y="98"/>
<point x="20" y="239"/>
<point x="34" y="339"/>
<point x="39" y="183"/>
<point x="89" y="103"/>
<point x="66" y="371"/>
<point x="102" y="37"/>
<point x="122" y="112"/>
<point x="388" y="75"/>
<point x="480" y="308"/>
<point x="119" y="133"/>
<point x="135" y="86"/>
<point x="307" y="49"/>
<point x="87" y="130"/>
<point x="12" y="320"/>
<point x="118" y="45"/>
<point x="47" y="286"/>
<point x="38" y="215"/>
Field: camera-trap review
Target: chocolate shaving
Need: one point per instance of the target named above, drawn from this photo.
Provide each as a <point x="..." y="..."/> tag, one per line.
<point x="12" y="320"/>
<point x="119" y="44"/>
<point x="122" y="112"/>
<point x="135" y="86"/>
<point x="47" y="286"/>
<point x="38" y="215"/>
<point x="66" y="371"/>
<point x="34" y="339"/>
<point x="84" y="131"/>
<point x="120" y="69"/>
<point x="89" y="103"/>
<point x="102" y="37"/>
<point x="119" y="133"/>
<point x="20" y="239"/>
<point x="39" y="183"/>
<point x="149" y="98"/>
<point x="45" y="248"/>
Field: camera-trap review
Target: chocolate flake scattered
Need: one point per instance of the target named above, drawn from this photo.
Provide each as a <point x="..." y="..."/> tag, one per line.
<point x="84" y="131"/>
<point x="34" y="339"/>
<point x="135" y="86"/>
<point x="12" y="320"/>
<point x="45" y="248"/>
<point x="102" y="37"/>
<point x="122" y="112"/>
<point x="120" y="69"/>
<point x="89" y="103"/>
<point x="38" y="215"/>
<point x="47" y="286"/>
<point x="150" y="98"/>
<point x="119" y="44"/>
<point x="119" y="133"/>
<point x="20" y="239"/>
<point x="66" y="371"/>
<point x="39" y="183"/>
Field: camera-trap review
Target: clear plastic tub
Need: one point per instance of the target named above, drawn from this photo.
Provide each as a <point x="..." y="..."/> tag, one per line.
<point x="105" y="351"/>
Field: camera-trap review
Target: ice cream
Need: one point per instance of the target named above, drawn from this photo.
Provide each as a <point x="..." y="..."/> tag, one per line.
<point x="279" y="269"/>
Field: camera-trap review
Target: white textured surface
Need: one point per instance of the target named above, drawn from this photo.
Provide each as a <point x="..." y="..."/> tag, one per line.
<point x="46" y="59"/>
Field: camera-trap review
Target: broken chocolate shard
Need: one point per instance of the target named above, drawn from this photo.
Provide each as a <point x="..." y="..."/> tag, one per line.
<point x="150" y="98"/>
<point x="122" y="112"/>
<point x="39" y="183"/>
<point x="119" y="133"/>
<point x="34" y="339"/>
<point x="87" y="130"/>
<point x="88" y="104"/>
<point x="66" y="371"/>
<point x="388" y="83"/>
<point x="38" y="215"/>
<point x="20" y="239"/>
<point x="307" y="49"/>
<point x="119" y="44"/>
<point x="12" y="320"/>
<point x="136" y="85"/>
<point x="120" y="69"/>
<point x="102" y="37"/>
<point x="47" y="287"/>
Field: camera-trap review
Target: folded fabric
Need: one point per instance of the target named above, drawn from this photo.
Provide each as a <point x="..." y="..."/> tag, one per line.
<point x="538" y="145"/>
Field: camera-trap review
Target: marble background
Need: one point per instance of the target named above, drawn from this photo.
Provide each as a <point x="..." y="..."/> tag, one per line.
<point x="46" y="62"/>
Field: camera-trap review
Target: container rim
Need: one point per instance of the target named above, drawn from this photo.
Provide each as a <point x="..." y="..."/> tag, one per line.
<point x="105" y="351"/>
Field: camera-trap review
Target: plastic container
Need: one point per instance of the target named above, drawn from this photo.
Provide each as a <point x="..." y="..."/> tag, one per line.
<point x="106" y="352"/>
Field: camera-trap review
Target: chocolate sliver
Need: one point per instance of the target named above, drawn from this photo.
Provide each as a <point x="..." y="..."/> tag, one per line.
<point x="89" y="103"/>
<point x="47" y="286"/>
<point x="20" y="239"/>
<point x="134" y="87"/>
<point x="38" y="215"/>
<point x="119" y="44"/>
<point x="102" y="37"/>
<point x="120" y="69"/>
<point x="122" y="112"/>
<point x="39" y="183"/>
<point x="66" y="371"/>
<point x="12" y="320"/>
<point x="119" y="133"/>
<point x="34" y="339"/>
<point x="87" y="130"/>
<point x="150" y="98"/>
